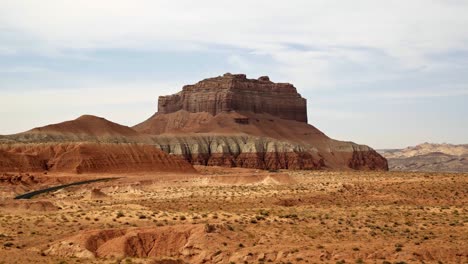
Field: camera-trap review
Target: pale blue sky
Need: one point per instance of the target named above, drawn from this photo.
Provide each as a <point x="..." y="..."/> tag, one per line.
<point x="378" y="73"/>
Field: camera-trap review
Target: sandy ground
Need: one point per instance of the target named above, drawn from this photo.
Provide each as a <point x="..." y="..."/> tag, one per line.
<point x="226" y="215"/>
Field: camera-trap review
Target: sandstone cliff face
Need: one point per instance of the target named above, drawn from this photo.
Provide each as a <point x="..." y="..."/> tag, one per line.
<point x="234" y="92"/>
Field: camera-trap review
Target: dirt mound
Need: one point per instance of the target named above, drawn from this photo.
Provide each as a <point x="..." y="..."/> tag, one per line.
<point x="88" y="158"/>
<point x="168" y="244"/>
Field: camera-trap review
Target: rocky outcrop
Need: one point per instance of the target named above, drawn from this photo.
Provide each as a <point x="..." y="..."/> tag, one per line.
<point x="234" y="92"/>
<point x="367" y="160"/>
<point x="88" y="158"/>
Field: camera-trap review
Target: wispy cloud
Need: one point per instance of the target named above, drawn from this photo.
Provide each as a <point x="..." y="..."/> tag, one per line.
<point x="394" y="27"/>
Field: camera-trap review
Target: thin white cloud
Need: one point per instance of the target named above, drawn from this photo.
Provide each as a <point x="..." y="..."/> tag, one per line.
<point x="404" y="29"/>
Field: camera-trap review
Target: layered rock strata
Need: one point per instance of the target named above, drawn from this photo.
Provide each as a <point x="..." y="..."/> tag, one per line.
<point x="234" y="92"/>
<point x="223" y="121"/>
<point x="238" y="122"/>
<point x="88" y="158"/>
<point x="240" y="151"/>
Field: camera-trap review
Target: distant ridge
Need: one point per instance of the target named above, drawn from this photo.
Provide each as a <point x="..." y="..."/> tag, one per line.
<point x="426" y="148"/>
<point x="428" y="157"/>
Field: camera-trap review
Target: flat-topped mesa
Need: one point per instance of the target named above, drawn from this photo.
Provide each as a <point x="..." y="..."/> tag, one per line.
<point x="234" y="92"/>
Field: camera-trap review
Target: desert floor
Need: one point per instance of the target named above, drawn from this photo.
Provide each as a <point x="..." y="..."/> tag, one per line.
<point x="237" y="216"/>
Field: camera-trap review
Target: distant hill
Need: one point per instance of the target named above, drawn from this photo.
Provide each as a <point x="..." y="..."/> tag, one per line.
<point x="85" y="145"/>
<point x="428" y="157"/>
<point x="86" y="128"/>
<point x="89" y="125"/>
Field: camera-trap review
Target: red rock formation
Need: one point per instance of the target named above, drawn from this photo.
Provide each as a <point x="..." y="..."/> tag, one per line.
<point x="207" y="124"/>
<point x="225" y="121"/>
<point x="88" y="158"/>
<point x="259" y="160"/>
<point x="234" y="92"/>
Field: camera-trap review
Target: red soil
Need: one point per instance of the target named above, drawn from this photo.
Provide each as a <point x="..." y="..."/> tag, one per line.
<point x="88" y="158"/>
<point x="190" y="241"/>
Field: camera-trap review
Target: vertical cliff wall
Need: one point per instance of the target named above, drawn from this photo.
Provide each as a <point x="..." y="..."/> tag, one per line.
<point x="234" y="92"/>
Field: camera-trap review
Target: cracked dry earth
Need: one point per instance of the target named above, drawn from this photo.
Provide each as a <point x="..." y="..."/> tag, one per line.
<point x="239" y="216"/>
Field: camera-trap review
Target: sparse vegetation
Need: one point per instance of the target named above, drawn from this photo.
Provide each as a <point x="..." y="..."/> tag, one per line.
<point x="260" y="221"/>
